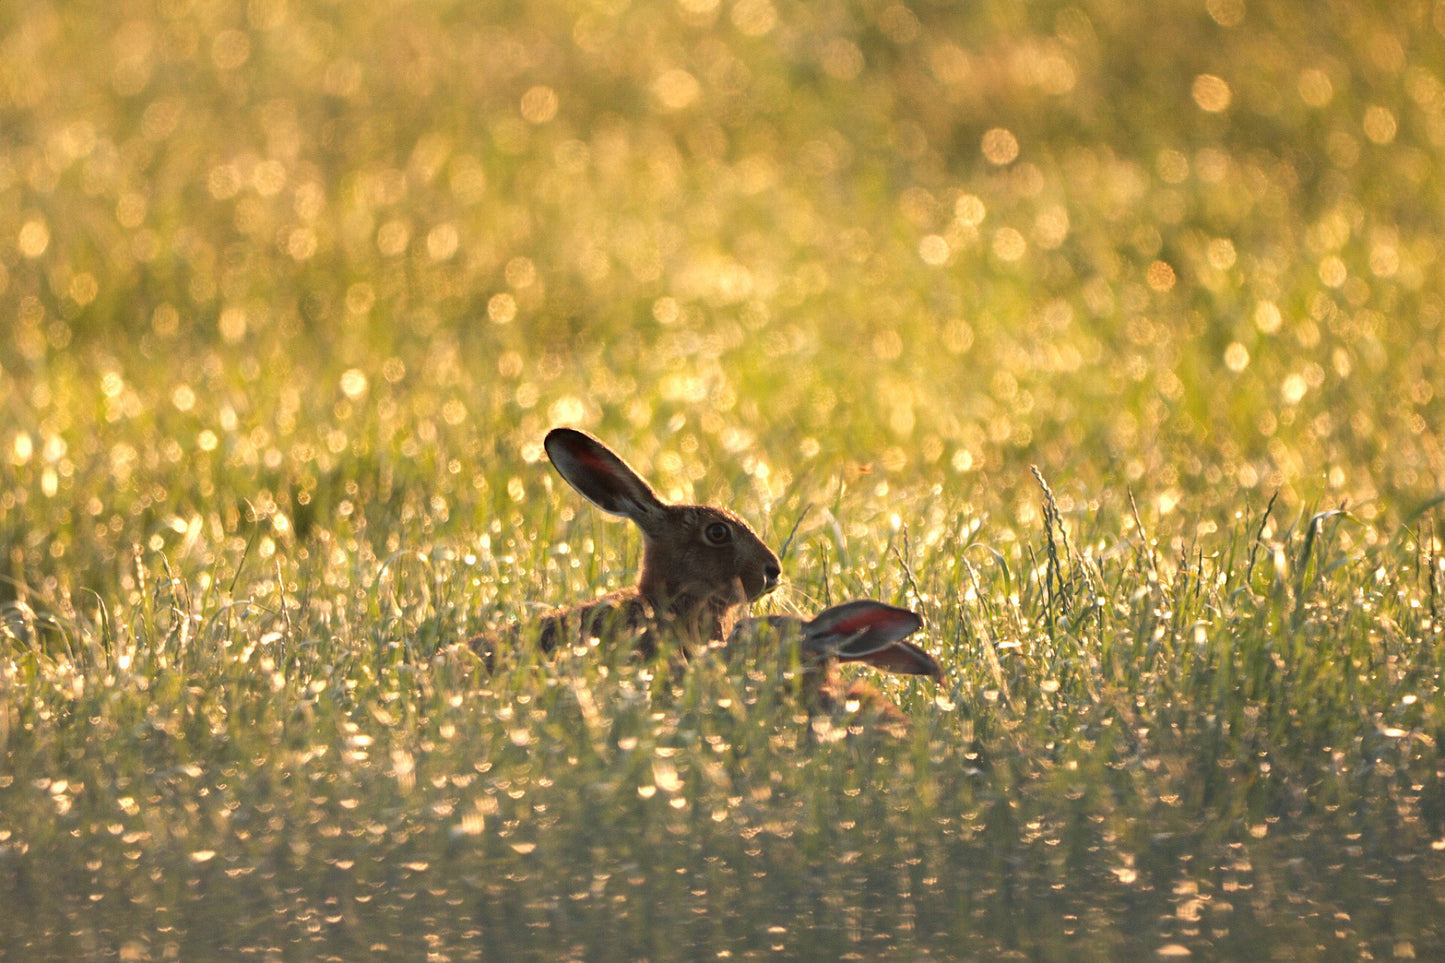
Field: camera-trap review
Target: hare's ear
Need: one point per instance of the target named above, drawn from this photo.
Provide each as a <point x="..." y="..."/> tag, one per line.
<point x="904" y="658"/>
<point x="599" y="475"/>
<point x="855" y="630"/>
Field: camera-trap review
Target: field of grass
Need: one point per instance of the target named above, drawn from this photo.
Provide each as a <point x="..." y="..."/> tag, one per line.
<point x="1107" y="336"/>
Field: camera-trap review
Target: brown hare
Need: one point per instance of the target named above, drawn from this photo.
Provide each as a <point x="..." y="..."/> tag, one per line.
<point x="860" y="631"/>
<point x="701" y="565"/>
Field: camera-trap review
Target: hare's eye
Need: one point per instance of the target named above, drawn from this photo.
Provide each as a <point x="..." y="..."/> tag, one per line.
<point x="718" y="533"/>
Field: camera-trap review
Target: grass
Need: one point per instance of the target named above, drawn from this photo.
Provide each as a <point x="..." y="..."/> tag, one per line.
<point x="1106" y="339"/>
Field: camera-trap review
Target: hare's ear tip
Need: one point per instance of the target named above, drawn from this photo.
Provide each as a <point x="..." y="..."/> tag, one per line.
<point x="932" y="668"/>
<point x="564" y="439"/>
<point x="561" y="433"/>
<point x="908" y="621"/>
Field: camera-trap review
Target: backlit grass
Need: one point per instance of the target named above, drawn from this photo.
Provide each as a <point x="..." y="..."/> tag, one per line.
<point x="291" y="291"/>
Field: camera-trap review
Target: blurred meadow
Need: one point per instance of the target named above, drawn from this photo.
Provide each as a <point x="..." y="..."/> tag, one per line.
<point x="1105" y="335"/>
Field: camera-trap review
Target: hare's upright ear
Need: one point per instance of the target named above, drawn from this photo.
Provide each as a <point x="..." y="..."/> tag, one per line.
<point x="599" y="475"/>
<point x="855" y="629"/>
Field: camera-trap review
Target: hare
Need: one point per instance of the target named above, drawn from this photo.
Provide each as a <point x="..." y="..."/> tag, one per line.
<point x="860" y="631"/>
<point x="700" y="565"/>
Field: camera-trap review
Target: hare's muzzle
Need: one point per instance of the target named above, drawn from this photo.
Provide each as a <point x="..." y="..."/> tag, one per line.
<point x="771" y="574"/>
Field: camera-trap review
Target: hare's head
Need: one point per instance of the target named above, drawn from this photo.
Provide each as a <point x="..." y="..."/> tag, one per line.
<point x="693" y="556"/>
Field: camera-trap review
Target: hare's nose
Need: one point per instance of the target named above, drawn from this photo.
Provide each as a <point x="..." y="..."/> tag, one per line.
<point x="771" y="574"/>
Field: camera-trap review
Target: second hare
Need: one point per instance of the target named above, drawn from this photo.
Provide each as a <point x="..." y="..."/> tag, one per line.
<point x="701" y="565"/>
<point x="861" y="631"/>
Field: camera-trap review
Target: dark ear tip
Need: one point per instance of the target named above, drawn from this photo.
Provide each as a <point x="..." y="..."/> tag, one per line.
<point x="562" y="436"/>
<point x="566" y="440"/>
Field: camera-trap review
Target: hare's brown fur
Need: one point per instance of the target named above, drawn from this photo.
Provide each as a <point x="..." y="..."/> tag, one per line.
<point x="700" y="568"/>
